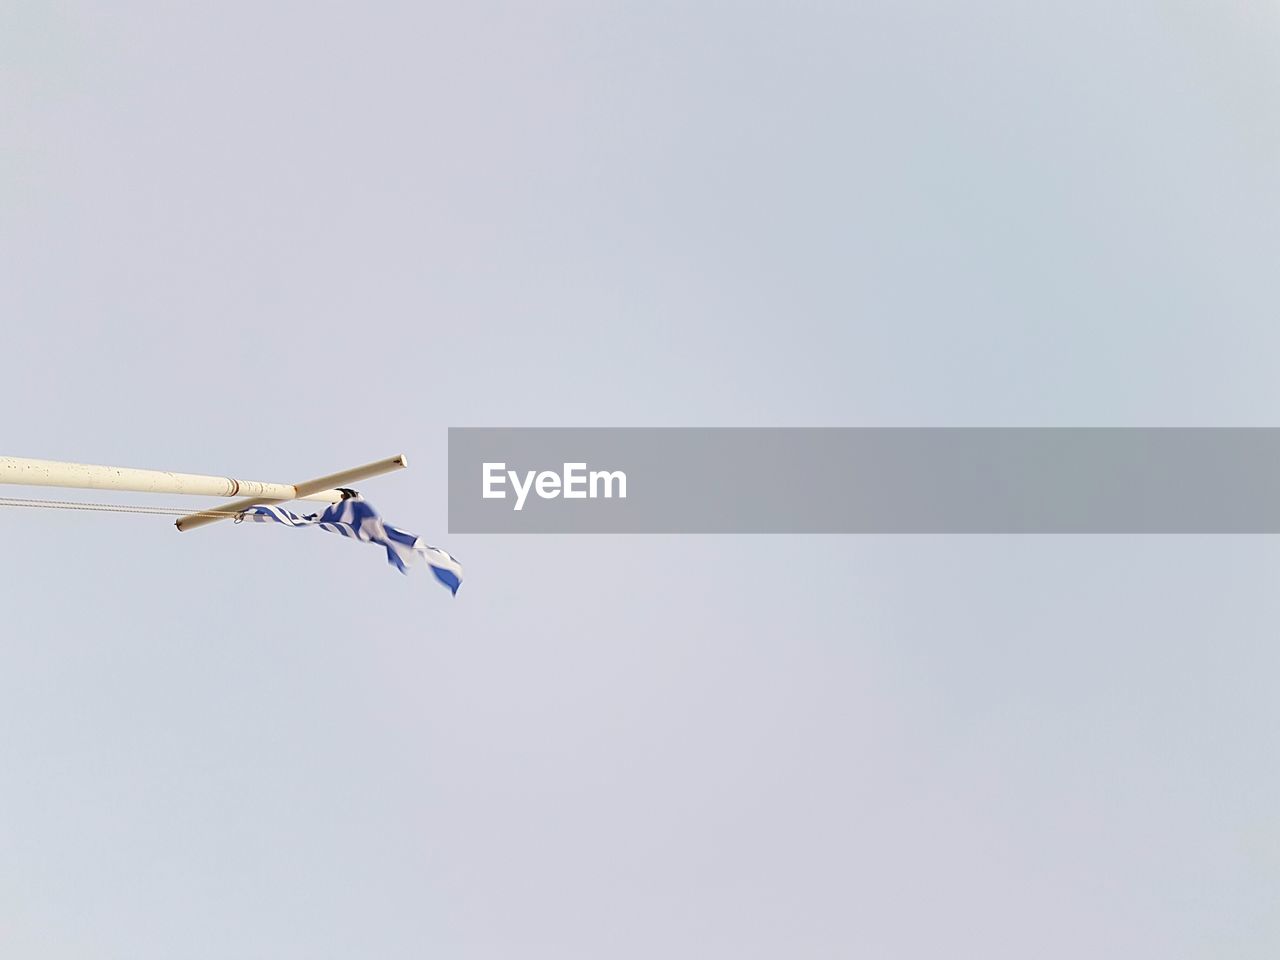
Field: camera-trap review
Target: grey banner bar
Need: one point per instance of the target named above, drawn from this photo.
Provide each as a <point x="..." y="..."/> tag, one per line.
<point x="865" y="480"/>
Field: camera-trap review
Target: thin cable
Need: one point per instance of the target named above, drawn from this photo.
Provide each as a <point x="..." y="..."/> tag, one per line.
<point x="141" y="509"/>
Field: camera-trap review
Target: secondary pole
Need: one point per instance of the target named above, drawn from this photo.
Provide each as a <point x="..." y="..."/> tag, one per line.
<point x="301" y="491"/>
<point x="90" y="476"/>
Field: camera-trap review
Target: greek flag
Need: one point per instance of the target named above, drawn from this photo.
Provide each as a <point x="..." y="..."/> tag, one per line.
<point x="354" y="518"/>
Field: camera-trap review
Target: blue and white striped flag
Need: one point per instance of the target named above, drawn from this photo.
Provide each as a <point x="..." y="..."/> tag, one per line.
<point x="356" y="519"/>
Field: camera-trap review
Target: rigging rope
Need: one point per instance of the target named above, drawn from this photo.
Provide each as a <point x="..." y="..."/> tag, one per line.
<point x="142" y="509"/>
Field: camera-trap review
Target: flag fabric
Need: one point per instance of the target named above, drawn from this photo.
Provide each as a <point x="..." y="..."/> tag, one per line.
<point x="356" y="519"/>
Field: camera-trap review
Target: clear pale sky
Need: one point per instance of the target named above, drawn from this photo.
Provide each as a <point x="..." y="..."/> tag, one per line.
<point x="277" y="240"/>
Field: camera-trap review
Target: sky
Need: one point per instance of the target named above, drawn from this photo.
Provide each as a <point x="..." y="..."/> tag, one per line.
<point x="273" y="241"/>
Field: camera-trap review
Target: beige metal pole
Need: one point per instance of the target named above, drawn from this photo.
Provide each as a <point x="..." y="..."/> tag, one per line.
<point x="91" y="476"/>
